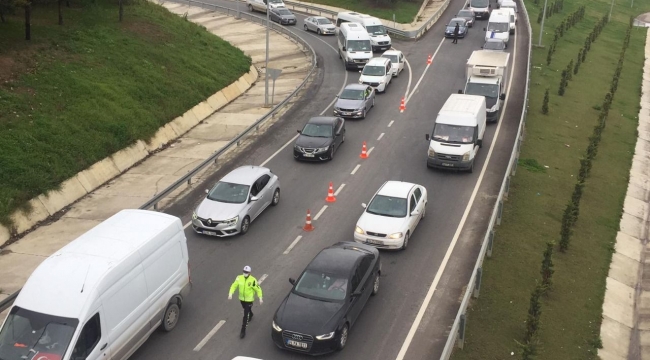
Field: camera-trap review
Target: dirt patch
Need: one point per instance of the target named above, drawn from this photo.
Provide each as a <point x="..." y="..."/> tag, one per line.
<point x="146" y="30"/>
<point x="9" y="68"/>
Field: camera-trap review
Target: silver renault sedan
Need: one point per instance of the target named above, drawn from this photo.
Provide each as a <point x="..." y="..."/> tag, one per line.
<point x="235" y="201"/>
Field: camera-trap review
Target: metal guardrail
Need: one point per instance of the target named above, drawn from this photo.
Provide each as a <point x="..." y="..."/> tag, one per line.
<point x="457" y="332"/>
<point x="153" y="202"/>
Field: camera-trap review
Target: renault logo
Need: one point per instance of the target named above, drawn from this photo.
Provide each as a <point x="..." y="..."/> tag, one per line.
<point x="209" y="221"/>
<point x="296" y="337"/>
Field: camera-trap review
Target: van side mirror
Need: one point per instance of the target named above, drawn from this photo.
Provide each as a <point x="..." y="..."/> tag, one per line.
<point x="427" y="136"/>
<point x="489" y="5"/>
<point x="363" y="205"/>
<point x="292" y="281"/>
<point x="484" y="29"/>
<point x="344" y="49"/>
<point x="479" y="142"/>
<point x="503" y="96"/>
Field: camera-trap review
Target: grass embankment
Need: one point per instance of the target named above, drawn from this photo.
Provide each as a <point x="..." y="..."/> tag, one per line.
<point x="549" y="164"/>
<point x="404" y="10"/>
<point x="77" y="93"/>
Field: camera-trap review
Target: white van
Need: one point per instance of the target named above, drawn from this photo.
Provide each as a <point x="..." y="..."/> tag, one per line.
<point x="458" y="133"/>
<point x="378" y="35"/>
<point x="260" y="5"/>
<point x="354" y="45"/>
<point x="498" y="26"/>
<point x="377" y="73"/>
<point x="512" y="17"/>
<point x="103" y="294"/>
<point x="481" y="8"/>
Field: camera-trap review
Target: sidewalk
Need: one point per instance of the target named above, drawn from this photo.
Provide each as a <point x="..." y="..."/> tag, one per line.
<point x="137" y="185"/>
<point x="625" y="328"/>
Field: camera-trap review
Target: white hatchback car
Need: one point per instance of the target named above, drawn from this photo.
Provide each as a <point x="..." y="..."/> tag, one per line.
<point x="377" y="73"/>
<point x="397" y="60"/>
<point x="392" y="215"/>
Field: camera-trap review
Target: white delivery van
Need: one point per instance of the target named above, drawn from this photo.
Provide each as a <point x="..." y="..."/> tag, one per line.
<point x="457" y="133"/>
<point x="487" y="76"/>
<point x="377" y="73"/>
<point x="513" y="18"/>
<point x="354" y="45"/>
<point x="508" y="4"/>
<point x="103" y="294"/>
<point x="481" y="8"/>
<point x="498" y="26"/>
<point x="378" y="34"/>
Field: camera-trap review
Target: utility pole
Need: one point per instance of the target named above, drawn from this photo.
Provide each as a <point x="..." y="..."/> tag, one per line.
<point x="266" y="69"/>
<point x="541" y="29"/>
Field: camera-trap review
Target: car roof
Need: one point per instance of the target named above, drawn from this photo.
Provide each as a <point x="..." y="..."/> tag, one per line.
<point x="391" y="52"/>
<point x="396" y="188"/>
<point x="320" y="17"/>
<point x="340" y="258"/>
<point x="356" y="86"/>
<point x="245" y="175"/>
<point x="377" y="61"/>
<point x="329" y="120"/>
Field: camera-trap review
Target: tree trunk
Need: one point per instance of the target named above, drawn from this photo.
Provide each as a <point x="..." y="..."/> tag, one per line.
<point x="2" y="16"/>
<point x="60" y="13"/>
<point x="28" y="21"/>
<point x="121" y="11"/>
<point x="67" y="3"/>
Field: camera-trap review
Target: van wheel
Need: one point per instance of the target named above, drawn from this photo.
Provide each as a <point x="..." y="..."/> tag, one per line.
<point x="171" y="317"/>
<point x="250" y="8"/>
<point x="471" y="168"/>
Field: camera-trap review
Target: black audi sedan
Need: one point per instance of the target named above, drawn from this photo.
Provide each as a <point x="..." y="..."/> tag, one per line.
<point x="326" y="300"/>
<point x="319" y="139"/>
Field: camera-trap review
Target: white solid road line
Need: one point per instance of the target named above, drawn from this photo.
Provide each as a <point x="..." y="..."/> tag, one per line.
<point x="454" y="240"/>
<point x="391" y="123"/>
<point x="292" y="245"/>
<point x="210" y="335"/>
<point x="339" y="190"/>
<point x="355" y="169"/>
<point x="408" y="86"/>
<point x="370" y="150"/>
<point x="187" y="225"/>
<point x="322" y="210"/>
<point x="424" y="72"/>
<point x="262" y="278"/>
<point x="380" y="136"/>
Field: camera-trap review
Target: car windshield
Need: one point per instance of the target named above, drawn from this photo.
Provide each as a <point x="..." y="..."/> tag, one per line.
<point x="319" y="285"/>
<point x="465" y="13"/>
<point x="453" y="133"/>
<point x="284" y="12"/>
<point x="453" y="23"/>
<point x="494" y="45"/>
<point x="498" y="27"/>
<point x="479" y="3"/>
<point x="324" y="21"/>
<point x="387" y="206"/>
<point x="229" y="193"/>
<point x="487" y="90"/>
<point x="373" y="70"/>
<point x="26" y="333"/>
<point x="275" y="1"/>
<point x="393" y="58"/>
<point x="317" y="130"/>
<point x="376" y="29"/>
<point x="358" y="45"/>
<point x="352" y="94"/>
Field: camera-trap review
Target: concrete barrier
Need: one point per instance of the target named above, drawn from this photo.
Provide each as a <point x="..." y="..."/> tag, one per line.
<point x="98" y="174"/>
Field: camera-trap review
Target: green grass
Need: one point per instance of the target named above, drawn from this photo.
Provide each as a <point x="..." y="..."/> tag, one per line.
<point x="572" y="310"/>
<point x="404" y="11"/>
<point x="79" y="92"/>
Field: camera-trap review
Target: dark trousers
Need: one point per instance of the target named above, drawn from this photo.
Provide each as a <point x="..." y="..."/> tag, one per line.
<point x="248" y="312"/>
<point x="455" y="39"/>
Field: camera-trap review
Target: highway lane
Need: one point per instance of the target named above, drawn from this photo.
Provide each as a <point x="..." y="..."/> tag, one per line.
<point x="400" y="154"/>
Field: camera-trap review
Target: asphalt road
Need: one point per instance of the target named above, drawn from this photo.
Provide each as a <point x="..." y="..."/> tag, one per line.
<point x="386" y="325"/>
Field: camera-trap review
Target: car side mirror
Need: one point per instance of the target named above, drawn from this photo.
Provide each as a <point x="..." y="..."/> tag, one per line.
<point x="336" y="96"/>
<point x="503" y="96"/>
<point x="460" y="91"/>
<point x="364" y="205"/>
<point x="344" y="49"/>
<point x="427" y="137"/>
<point x="415" y="213"/>
<point x="254" y="198"/>
<point x="292" y="281"/>
<point x="207" y="191"/>
<point x="484" y="29"/>
<point x="299" y="131"/>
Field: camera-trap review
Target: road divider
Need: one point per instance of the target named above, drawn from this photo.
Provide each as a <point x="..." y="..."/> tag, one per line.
<point x="364" y="151"/>
<point x="429" y="60"/>
<point x="308" y="226"/>
<point x="330" y="194"/>
<point x="402" y="106"/>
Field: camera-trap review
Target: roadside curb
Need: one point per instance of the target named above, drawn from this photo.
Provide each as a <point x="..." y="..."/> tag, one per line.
<point x="46" y="205"/>
<point x="625" y="328"/>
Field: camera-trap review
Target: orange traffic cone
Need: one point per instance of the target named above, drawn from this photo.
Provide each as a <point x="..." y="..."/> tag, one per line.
<point x="364" y="152"/>
<point x="402" y="106"/>
<point x="429" y="60"/>
<point x="330" y="194"/>
<point x="308" y="226"/>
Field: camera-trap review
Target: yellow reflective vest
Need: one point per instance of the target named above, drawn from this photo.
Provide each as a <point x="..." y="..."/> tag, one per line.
<point x="247" y="286"/>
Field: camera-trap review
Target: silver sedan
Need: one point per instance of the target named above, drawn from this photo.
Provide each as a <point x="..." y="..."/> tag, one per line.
<point x="235" y="201"/>
<point x="321" y="25"/>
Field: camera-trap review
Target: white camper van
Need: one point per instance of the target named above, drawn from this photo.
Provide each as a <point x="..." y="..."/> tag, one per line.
<point x="498" y="26"/>
<point x="102" y="295"/>
<point x="354" y="45"/>
<point x="457" y="133"/>
<point x="378" y="35"/>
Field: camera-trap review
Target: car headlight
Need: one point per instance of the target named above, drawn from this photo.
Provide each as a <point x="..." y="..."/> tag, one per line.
<point x="466" y="156"/>
<point x="359" y="230"/>
<point x="233" y="221"/>
<point x="359" y="109"/>
<point x="194" y="216"/>
<point x="397" y="235"/>
<point x="323" y="149"/>
<point x="325" y="336"/>
<point x="276" y="327"/>
<point x="432" y="153"/>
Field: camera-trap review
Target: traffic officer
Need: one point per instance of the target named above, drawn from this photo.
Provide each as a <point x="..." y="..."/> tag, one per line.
<point x="248" y="287"/>
<point x="456" y="31"/>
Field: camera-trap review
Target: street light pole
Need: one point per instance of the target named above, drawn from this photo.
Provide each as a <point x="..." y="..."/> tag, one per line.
<point x="541" y="29"/>
<point x="266" y="69"/>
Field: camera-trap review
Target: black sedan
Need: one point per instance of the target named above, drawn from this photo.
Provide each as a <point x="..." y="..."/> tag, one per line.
<point x="468" y="15"/>
<point x="462" y="28"/>
<point x="327" y="298"/>
<point x="319" y="139"/>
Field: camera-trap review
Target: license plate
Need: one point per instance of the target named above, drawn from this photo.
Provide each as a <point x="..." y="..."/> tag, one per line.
<point x="447" y="164"/>
<point x="308" y="155"/>
<point x="210" y="233"/>
<point x="298" y="344"/>
<point x="384" y="48"/>
<point x="378" y="242"/>
<point x="347" y="113"/>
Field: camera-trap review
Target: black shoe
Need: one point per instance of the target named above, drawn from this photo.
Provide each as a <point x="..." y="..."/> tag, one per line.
<point x="242" y="333"/>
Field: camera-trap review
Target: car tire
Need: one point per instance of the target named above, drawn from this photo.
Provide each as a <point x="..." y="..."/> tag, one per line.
<point x="245" y="225"/>
<point x="375" y="285"/>
<point x="305" y="27"/>
<point x="318" y="31"/>
<point x="276" y="197"/>
<point x="363" y="114"/>
<point x="250" y="8"/>
<point x="332" y="153"/>
<point x="170" y="317"/>
<point x="343" y="140"/>
<point x="373" y="102"/>
<point x="406" y="242"/>
<point x="424" y="211"/>
<point x="343" y="338"/>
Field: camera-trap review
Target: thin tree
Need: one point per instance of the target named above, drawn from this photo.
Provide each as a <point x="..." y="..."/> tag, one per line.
<point x="59" y="2"/>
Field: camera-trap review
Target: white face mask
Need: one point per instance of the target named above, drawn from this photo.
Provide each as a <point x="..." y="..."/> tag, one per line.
<point x="246" y="275"/>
